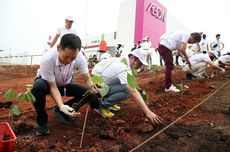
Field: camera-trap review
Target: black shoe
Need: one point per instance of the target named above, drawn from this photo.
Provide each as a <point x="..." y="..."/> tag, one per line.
<point x="62" y="117"/>
<point x="42" y="130"/>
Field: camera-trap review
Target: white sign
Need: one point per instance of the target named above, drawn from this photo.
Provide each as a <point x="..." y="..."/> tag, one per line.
<point x="157" y="12"/>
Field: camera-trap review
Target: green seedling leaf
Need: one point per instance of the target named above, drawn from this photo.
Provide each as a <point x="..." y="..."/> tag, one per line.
<point x="98" y="79"/>
<point x="142" y="93"/>
<point x="10" y="94"/>
<point x="154" y="69"/>
<point x="134" y="71"/>
<point x="104" y="90"/>
<point x="123" y="60"/>
<point x="182" y="86"/>
<point x="29" y="87"/>
<point x="21" y="97"/>
<point x="32" y="97"/>
<point x="131" y="81"/>
<point x="28" y="97"/>
<point x="15" y="110"/>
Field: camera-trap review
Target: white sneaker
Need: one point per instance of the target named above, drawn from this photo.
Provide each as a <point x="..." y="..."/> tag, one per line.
<point x="172" y="88"/>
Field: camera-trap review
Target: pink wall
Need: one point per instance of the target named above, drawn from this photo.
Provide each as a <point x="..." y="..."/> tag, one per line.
<point x="150" y="21"/>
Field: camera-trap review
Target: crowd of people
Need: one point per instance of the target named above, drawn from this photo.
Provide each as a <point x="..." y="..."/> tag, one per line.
<point x="55" y="76"/>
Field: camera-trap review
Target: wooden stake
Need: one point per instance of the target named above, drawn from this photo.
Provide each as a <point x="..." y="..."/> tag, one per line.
<point x="83" y="129"/>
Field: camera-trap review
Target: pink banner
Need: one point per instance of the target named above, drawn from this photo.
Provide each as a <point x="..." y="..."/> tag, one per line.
<point x="150" y="21"/>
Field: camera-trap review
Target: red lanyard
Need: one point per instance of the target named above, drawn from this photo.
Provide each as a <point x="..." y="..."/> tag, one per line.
<point x="67" y="76"/>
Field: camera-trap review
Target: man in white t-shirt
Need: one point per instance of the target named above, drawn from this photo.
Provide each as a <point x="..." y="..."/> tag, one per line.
<point x="114" y="73"/>
<point x="55" y="77"/>
<point x="200" y="63"/>
<point x="217" y="45"/>
<point x="147" y="45"/>
<point x="64" y="30"/>
<point x="223" y="61"/>
<point x="171" y="42"/>
<point x="120" y="49"/>
<point x="204" y="44"/>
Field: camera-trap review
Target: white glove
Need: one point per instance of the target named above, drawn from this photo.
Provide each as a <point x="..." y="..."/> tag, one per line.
<point x="222" y="70"/>
<point x="67" y="110"/>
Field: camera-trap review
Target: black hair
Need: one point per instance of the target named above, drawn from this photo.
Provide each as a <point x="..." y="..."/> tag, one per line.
<point x="204" y="36"/>
<point x="118" y="46"/>
<point x="135" y="58"/>
<point x="70" y="41"/>
<point x="217" y="35"/>
<point x="212" y="57"/>
<point x="196" y="36"/>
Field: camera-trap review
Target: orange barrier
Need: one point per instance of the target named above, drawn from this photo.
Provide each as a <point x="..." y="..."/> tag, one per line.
<point x="103" y="46"/>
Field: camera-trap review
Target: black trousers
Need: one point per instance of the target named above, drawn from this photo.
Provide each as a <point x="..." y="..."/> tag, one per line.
<point x="41" y="89"/>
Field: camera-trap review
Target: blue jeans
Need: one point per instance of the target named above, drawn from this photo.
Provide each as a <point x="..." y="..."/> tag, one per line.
<point x="117" y="92"/>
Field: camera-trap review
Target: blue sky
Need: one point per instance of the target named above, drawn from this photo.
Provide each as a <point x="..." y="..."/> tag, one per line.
<point x="27" y="24"/>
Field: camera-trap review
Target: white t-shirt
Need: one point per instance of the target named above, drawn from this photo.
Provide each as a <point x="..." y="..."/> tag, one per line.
<point x="224" y="58"/>
<point x="198" y="58"/>
<point x="105" y="55"/>
<point x="195" y="48"/>
<point x="116" y="72"/>
<point x="120" y="50"/>
<point x="146" y="45"/>
<point x="52" y="70"/>
<point x="173" y="41"/>
<point x="203" y="45"/>
<point x="218" y="43"/>
<point x="62" y="31"/>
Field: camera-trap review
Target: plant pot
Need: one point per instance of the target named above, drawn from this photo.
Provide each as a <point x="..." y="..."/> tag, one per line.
<point x="7" y="138"/>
